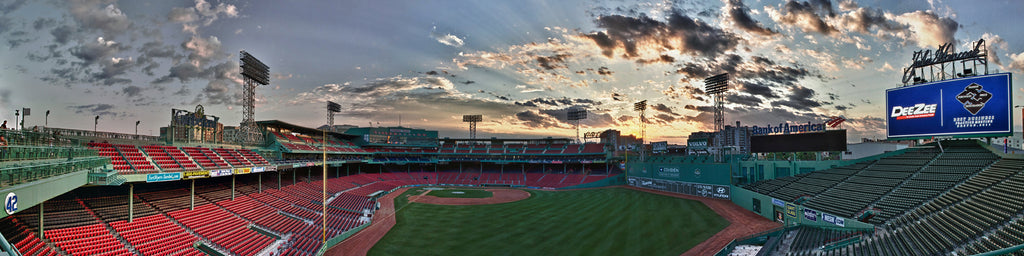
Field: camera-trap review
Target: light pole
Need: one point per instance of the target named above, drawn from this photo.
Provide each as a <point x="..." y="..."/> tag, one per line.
<point x="137" y="128"/>
<point x="95" y="123"/>
<point x="16" y="118"/>
<point x="46" y="120"/>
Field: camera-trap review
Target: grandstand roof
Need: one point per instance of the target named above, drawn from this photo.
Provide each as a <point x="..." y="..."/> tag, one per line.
<point x="301" y="129"/>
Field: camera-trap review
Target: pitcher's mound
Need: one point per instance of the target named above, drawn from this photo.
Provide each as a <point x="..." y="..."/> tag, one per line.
<point x="499" y="196"/>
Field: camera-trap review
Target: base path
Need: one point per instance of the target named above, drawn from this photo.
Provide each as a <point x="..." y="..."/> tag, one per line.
<point x="383" y="220"/>
<point x="499" y="196"/>
<point x="742" y="222"/>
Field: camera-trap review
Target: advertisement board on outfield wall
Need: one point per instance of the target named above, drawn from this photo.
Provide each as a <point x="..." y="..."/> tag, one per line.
<point x="689" y="188"/>
<point x="967" y="107"/>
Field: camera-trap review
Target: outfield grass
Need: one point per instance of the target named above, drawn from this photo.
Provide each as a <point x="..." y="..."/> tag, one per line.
<point x="613" y="221"/>
<point x="467" y="193"/>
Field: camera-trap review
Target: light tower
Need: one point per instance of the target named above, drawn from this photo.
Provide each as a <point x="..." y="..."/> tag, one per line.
<point x="331" y="109"/>
<point x="472" y="120"/>
<point x="716" y="86"/>
<point x="254" y="73"/>
<point x="577" y="114"/>
<point x="640" y="107"/>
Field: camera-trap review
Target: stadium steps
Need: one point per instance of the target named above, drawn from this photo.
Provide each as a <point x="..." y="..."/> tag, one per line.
<point x="900" y="185"/>
<point x="110" y="229"/>
<point x="955" y="185"/>
<point x="996" y="173"/>
<point x="819" y="196"/>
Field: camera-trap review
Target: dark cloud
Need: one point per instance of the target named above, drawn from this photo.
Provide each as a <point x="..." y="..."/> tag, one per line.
<point x="6" y="8"/>
<point x="533" y="119"/>
<point x="553" y="61"/>
<point x="688" y="92"/>
<point x="864" y="20"/>
<point x="664" y="109"/>
<point x="664" y="118"/>
<point x="807" y="16"/>
<point x="661" y="59"/>
<point x="842" y="107"/>
<point x="680" y="32"/>
<point x="617" y="97"/>
<point x="95" y="109"/>
<point x="800" y="98"/>
<point x="700" y="108"/>
<point x="100" y="15"/>
<point x="432" y="73"/>
<point x="737" y="12"/>
<point x="757" y="89"/>
<point x="746" y="100"/>
<point x="63" y="34"/>
<point x="43" y="23"/>
<point x="132" y="91"/>
<point x="604" y="71"/>
<point x="468" y="82"/>
<point x="623" y="119"/>
<point x="556" y="102"/>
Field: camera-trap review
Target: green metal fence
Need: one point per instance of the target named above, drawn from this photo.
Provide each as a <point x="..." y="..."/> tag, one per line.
<point x="35" y="170"/>
<point x="21" y="153"/>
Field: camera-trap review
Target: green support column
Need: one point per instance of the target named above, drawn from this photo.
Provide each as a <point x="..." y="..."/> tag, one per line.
<point x="192" y="196"/>
<point x="563" y="168"/>
<point x="309" y="175"/>
<point x="347" y="170"/>
<point x="232" y="187"/>
<point x="131" y="202"/>
<point x="42" y="231"/>
<point x="337" y="172"/>
<point x="294" y="171"/>
<point x="278" y="180"/>
<point x="261" y="183"/>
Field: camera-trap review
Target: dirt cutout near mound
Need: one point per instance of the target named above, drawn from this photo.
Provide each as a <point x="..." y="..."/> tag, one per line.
<point x="499" y="196"/>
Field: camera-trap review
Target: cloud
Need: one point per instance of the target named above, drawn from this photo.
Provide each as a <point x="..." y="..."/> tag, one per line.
<point x="446" y="39"/>
<point x="132" y="91"/>
<point x="203" y="12"/>
<point x="737" y="13"/>
<point x="746" y="100"/>
<point x="632" y="35"/>
<point x="95" y="109"/>
<point x="102" y="15"/>
<point x="553" y="62"/>
<point x="929" y="30"/>
<point x="557" y="102"/>
<point x="800" y="99"/>
<point x="804" y="15"/>
<point x="664" y="109"/>
<point x="534" y="119"/>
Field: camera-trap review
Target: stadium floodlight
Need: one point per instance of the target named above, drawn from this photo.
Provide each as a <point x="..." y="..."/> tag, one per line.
<point x="254" y="73"/>
<point x="472" y="120"/>
<point x="641" y="106"/>
<point x="577" y="114"/>
<point x="716" y="86"/>
<point x="331" y="109"/>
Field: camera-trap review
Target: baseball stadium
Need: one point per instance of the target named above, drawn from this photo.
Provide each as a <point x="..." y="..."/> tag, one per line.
<point x="943" y="178"/>
<point x="284" y="189"/>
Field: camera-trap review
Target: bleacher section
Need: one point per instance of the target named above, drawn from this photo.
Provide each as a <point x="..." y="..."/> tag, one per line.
<point x="928" y="201"/>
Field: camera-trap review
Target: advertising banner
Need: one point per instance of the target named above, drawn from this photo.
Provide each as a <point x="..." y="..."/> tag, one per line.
<point x="218" y="173"/>
<point x="158" y="177"/>
<point x="975" y="106"/>
<point x="197" y="174"/>
<point x="242" y="171"/>
<point x="778" y="202"/>
<point x="791" y="210"/>
<point x="810" y="215"/>
<point x="258" y="169"/>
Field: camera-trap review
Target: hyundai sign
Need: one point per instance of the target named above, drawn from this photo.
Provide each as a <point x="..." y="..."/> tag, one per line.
<point x="968" y="107"/>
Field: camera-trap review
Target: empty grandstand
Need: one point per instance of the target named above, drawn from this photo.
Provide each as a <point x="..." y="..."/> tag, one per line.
<point x="110" y="194"/>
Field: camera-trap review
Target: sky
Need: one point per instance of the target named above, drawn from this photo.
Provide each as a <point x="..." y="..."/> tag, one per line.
<point x="520" y="64"/>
